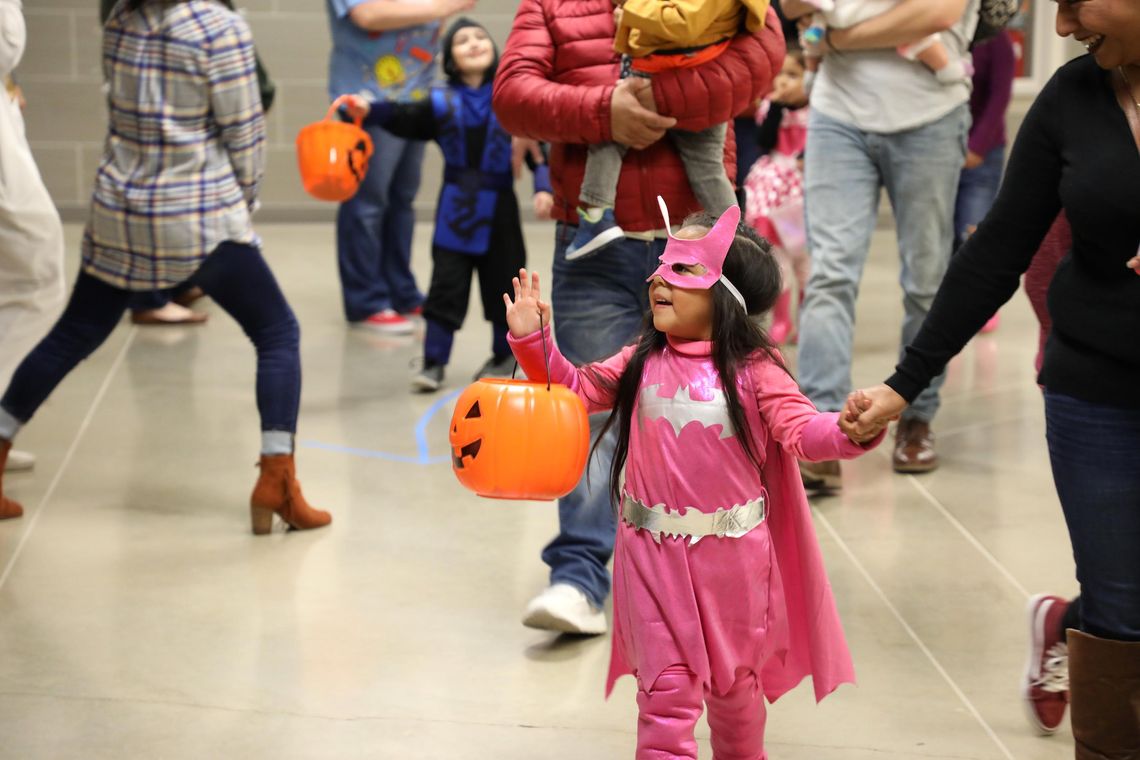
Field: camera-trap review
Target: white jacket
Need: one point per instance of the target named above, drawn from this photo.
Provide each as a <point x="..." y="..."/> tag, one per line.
<point x="31" y="235"/>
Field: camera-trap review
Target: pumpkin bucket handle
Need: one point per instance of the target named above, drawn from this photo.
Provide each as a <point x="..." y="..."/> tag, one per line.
<point x="545" y="353"/>
<point x="331" y="115"/>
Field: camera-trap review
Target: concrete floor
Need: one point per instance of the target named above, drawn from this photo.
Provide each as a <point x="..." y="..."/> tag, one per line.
<point x="139" y="619"/>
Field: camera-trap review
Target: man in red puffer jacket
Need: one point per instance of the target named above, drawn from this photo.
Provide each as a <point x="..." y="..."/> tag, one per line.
<point x="558" y="82"/>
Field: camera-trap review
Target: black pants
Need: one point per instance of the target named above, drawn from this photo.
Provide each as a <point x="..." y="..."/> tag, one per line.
<point x="450" y="289"/>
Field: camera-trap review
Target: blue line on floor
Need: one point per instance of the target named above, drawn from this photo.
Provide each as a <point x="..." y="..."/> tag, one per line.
<point x="423" y="456"/>
<point x="421" y="426"/>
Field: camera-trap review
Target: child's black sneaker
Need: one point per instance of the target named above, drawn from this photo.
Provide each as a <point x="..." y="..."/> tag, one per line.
<point x="429" y="379"/>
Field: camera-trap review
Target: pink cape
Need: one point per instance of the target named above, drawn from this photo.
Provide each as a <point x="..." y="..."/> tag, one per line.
<point x="759" y="603"/>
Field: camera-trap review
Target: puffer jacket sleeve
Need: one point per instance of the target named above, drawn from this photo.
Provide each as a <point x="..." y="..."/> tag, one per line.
<point x="717" y="91"/>
<point x="526" y="100"/>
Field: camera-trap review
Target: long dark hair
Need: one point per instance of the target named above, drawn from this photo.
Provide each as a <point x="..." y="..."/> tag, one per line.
<point x="736" y="338"/>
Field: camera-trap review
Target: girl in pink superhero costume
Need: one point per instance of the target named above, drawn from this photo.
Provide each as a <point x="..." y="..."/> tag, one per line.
<point x="720" y="595"/>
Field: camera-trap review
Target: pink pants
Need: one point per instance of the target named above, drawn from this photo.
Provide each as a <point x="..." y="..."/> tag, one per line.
<point x="668" y="713"/>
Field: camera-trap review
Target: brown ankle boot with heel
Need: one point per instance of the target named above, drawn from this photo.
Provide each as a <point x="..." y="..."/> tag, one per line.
<point x="8" y="508"/>
<point x="278" y="492"/>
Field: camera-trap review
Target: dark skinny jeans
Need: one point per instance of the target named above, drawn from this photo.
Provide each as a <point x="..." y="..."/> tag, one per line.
<point x="1093" y="450"/>
<point x="235" y="275"/>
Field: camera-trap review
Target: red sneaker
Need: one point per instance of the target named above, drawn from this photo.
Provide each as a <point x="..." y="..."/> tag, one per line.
<point x="415" y="313"/>
<point x="389" y="322"/>
<point x="1046" y="684"/>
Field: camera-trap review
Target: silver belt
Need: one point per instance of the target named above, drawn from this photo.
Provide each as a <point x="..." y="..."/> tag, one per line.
<point x="733" y="522"/>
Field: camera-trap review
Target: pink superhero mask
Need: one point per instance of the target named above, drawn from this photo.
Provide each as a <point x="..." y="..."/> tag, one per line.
<point x="708" y="251"/>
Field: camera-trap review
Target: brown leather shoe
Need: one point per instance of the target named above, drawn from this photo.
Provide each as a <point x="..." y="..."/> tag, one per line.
<point x="278" y="492"/>
<point x="914" y="447"/>
<point x="821" y="476"/>
<point x="8" y="508"/>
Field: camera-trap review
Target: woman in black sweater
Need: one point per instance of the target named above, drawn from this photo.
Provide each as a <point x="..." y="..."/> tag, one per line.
<point x="1078" y="150"/>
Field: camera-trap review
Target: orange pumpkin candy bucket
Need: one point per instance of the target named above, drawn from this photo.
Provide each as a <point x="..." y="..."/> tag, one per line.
<point x="515" y="439"/>
<point x="333" y="156"/>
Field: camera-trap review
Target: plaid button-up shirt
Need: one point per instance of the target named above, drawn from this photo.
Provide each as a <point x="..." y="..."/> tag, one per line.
<point x="186" y="147"/>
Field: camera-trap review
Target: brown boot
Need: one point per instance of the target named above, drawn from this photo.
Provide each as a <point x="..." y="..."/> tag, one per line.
<point x="8" y="508"/>
<point x="277" y="490"/>
<point x="1104" y="692"/>
<point x="914" y="447"/>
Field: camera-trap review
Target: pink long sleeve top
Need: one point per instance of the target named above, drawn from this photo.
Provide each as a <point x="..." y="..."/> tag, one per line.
<point x="720" y="606"/>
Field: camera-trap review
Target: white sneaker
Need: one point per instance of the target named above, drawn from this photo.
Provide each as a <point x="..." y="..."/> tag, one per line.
<point x="564" y="608"/>
<point x="20" y="461"/>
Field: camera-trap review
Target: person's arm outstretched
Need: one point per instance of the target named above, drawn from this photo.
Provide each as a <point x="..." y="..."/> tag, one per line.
<point x="806" y="432"/>
<point x="386" y="15"/>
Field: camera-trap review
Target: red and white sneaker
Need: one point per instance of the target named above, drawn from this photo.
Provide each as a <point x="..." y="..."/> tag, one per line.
<point x="1046" y="683"/>
<point x="388" y="322"/>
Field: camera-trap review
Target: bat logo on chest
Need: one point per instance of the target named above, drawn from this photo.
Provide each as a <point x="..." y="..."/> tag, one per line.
<point x="683" y="409"/>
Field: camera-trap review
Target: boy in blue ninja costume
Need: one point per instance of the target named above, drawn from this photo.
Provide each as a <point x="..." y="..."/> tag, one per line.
<point x="477" y="225"/>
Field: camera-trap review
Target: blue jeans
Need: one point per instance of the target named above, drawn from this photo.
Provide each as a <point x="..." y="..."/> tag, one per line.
<point x="374" y="231"/>
<point x="1093" y="448"/>
<point x="845" y="169"/>
<point x="977" y="189"/>
<point x="599" y="303"/>
<point x="235" y="275"/>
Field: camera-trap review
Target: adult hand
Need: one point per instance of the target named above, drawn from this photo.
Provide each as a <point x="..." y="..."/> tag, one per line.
<point x="527" y="313"/>
<point x="1134" y="262"/>
<point x="631" y="123"/>
<point x="857" y="403"/>
<point x="973" y="160"/>
<point x="450" y="7"/>
<point x="885" y="405"/>
<point x="520" y="146"/>
<point x="543" y="203"/>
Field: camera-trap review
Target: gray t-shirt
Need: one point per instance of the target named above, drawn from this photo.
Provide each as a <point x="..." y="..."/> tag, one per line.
<point x="880" y="91"/>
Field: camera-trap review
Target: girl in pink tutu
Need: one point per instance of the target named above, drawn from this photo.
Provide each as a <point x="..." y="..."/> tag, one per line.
<point x="774" y="188"/>
<point x="720" y="595"/>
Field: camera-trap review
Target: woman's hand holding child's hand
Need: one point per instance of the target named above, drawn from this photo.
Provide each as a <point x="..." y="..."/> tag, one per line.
<point x="857" y="403"/>
<point x="523" y="314"/>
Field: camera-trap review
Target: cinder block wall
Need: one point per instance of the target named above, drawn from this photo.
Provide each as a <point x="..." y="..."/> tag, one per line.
<point x="66" y="114"/>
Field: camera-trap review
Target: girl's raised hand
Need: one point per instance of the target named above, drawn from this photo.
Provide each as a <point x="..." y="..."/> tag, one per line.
<point x="527" y="313"/>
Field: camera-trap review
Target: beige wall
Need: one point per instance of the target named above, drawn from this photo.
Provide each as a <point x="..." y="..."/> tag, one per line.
<point x="66" y="115"/>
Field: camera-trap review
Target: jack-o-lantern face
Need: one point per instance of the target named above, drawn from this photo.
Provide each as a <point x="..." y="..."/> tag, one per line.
<point x="467" y="450"/>
<point x="513" y="439"/>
